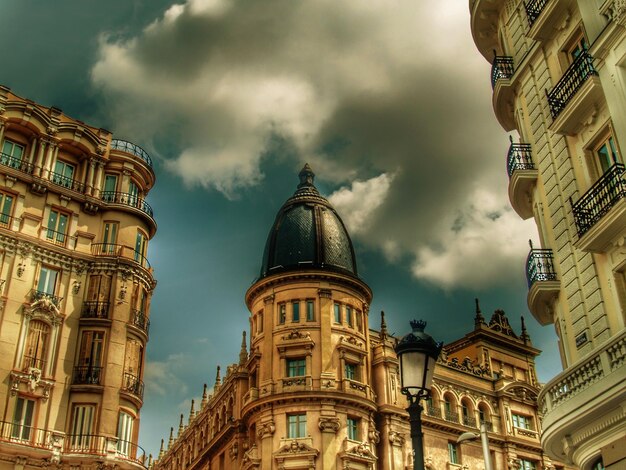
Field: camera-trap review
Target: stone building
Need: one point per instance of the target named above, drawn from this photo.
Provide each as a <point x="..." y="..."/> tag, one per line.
<point x="559" y="86"/>
<point x="319" y="389"/>
<point x="75" y="288"/>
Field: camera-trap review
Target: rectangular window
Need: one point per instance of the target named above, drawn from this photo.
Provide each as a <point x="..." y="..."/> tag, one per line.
<point x="141" y="247"/>
<point x="110" y="187"/>
<point x="12" y="154"/>
<point x="310" y="310"/>
<point x="527" y="464"/>
<point x="453" y="454"/>
<point x="260" y="322"/>
<point x="47" y="280"/>
<point x="352" y="371"/>
<point x="81" y="428"/>
<point x="23" y="419"/>
<point x="359" y="320"/>
<point x="89" y="368"/>
<point x="124" y="433"/>
<point x="36" y="350"/>
<point x="606" y="153"/>
<point x="349" y="315"/>
<point x="133" y="193"/>
<point x="63" y="174"/>
<point x="57" y="227"/>
<point x="521" y="421"/>
<point x="6" y="204"/>
<point x="337" y="308"/>
<point x="109" y="237"/>
<point x="352" y="425"/>
<point x="295" y="309"/>
<point x="296" y="367"/>
<point x="282" y="313"/>
<point x="296" y="426"/>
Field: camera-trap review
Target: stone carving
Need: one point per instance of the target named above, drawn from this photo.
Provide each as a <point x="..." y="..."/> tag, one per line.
<point x="396" y="438"/>
<point x="351" y="340"/>
<point x="266" y="429"/>
<point x="234" y="450"/>
<point x="373" y="435"/>
<point x="296" y="334"/>
<point x="329" y="424"/>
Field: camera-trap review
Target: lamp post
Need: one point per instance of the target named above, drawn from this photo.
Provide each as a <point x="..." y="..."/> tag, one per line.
<point x="484" y="439"/>
<point x="418" y="353"/>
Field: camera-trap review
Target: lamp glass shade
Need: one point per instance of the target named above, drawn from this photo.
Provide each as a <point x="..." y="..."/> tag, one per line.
<point x="416" y="370"/>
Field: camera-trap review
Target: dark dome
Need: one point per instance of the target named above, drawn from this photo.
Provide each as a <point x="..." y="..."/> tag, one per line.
<point x="308" y="233"/>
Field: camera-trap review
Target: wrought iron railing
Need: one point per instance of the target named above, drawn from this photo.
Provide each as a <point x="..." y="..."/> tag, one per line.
<point x="132" y="384"/>
<point x="127" y="199"/>
<point x="34" y="362"/>
<point x="488" y="425"/>
<point x="36" y="295"/>
<point x="140" y="320"/>
<point x="85" y="444"/>
<point x="123" y="251"/>
<point x="519" y="158"/>
<point x="6" y="221"/>
<point x="452" y="416"/>
<point x="131" y="451"/>
<point x="501" y="68"/>
<point x="58" y="238"/>
<point x="16" y="163"/>
<point x="95" y="309"/>
<point x="87" y="375"/>
<point x="129" y="147"/>
<point x="540" y="266"/>
<point x="574" y="77"/>
<point x="600" y="198"/>
<point x="469" y="421"/>
<point x="534" y="9"/>
<point x="19" y="433"/>
<point x="67" y="182"/>
<point x="433" y="411"/>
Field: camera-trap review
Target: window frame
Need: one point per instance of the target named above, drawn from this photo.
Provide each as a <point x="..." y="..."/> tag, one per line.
<point x="296" y="425"/>
<point x="522" y="421"/>
<point x="294" y="365"/>
<point x="295" y="311"/>
<point x="86" y="420"/>
<point x="337" y="313"/>
<point x="310" y="310"/>
<point x="54" y="234"/>
<point x="24" y="430"/>
<point x="282" y="313"/>
<point x="353" y="428"/>
<point x="6" y="217"/>
<point x="454" y="455"/>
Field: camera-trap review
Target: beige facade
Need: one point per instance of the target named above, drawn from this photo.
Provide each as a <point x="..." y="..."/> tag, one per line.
<point x="559" y="85"/>
<point x="75" y="289"/>
<point x="317" y="388"/>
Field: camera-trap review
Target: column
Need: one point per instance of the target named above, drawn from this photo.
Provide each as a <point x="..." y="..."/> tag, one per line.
<point x="45" y="172"/>
<point x="39" y="161"/>
<point x="2" y="126"/>
<point x="90" y="175"/>
<point x="99" y="177"/>
<point x="53" y="161"/>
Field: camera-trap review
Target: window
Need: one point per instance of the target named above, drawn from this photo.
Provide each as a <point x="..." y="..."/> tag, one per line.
<point x="296" y="367"/>
<point x="359" y="321"/>
<point x="521" y="421"/>
<point x="89" y="367"/>
<point x="295" y="309"/>
<point x="282" y="313"/>
<point x="527" y="464"/>
<point x="124" y="433"/>
<point x="598" y="465"/>
<point x="6" y="204"/>
<point x="36" y="350"/>
<point x="606" y="154"/>
<point x="63" y="174"/>
<point x="337" y="308"/>
<point x="296" y="426"/>
<point x="23" y="419"/>
<point x="579" y="46"/>
<point x="82" y="426"/>
<point x="12" y="154"/>
<point x="349" y="315"/>
<point x="109" y="237"/>
<point x="260" y="322"/>
<point x="310" y="310"/>
<point x="141" y="246"/>
<point x="98" y="293"/>
<point x="57" y="227"/>
<point x="110" y="186"/>
<point x="133" y="193"/>
<point x="352" y="371"/>
<point x="352" y="425"/>
<point x="134" y="357"/>
<point x="453" y="453"/>
<point x="47" y="280"/>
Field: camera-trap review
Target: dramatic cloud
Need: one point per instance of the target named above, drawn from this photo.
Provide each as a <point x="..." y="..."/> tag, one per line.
<point x="361" y="90"/>
<point x="162" y="377"/>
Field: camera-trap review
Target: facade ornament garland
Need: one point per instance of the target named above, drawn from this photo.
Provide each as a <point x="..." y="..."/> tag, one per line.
<point x="329" y="424"/>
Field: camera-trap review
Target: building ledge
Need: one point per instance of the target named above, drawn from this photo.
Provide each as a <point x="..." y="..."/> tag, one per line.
<point x="551" y="19"/>
<point x="521" y="184"/>
<point x="581" y="109"/>
<point x="484" y="25"/>
<point x="606" y="231"/>
<point x="541" y="294"/>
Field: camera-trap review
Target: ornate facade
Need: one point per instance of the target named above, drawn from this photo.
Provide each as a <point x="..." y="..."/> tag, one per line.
<point x="318" y="389"/>
<point x="559" y="85"/>
<point x="75" y="288"/>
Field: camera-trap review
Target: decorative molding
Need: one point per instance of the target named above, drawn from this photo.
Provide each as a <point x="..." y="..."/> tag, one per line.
<point x="329" y="424"/>
<point x="396" y="438"/>
<point x="325" y="293"/>
<point x="266" y="429"/>
<point x="34" y="382"/>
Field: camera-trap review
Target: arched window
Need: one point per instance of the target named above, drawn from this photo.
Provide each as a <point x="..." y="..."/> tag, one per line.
<point x="484" y="416"/>
<point x="467" y="413"/>
<point x="450" y="408"/>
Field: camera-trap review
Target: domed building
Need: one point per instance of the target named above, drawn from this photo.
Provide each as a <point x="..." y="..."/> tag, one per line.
<point x="318" y="389"/>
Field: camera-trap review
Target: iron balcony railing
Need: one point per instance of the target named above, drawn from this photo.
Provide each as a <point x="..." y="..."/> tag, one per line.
<point x="469" y="421"/>
<point x="85" y="444"/>
<point x="501" y="68"/>
<point x="600" y="198"/>
<point x="122" y="251"/>
<point x="36" y="295"/>
<point x="7" y="220"/>
<point x="33" y="362"/>
<point x="433" y="411"/>
<point x="95" y="309"/>
<point x="540" y="266"/>
<point x="132" y="384"/>
<point x="452" y="416"/>
<point x="488" y="425"/>
<point x="141" y="320"/>
<point x="67" y="182"/>
<point x="16" y="163"/>
<point x="574" y="77"/>
<point x="87" y="375"/>
<point x="131" y="148"/>
<point x="127" y="199"/>
<point x="58" y="238"/>
<point x="19" y="433"/>
<point x="131" y="451"/>
<point x="534" y="9"/>
<point x="519" y="158"/>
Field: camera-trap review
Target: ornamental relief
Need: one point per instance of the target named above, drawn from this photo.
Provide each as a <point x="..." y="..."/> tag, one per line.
<point x="329" y="424"/>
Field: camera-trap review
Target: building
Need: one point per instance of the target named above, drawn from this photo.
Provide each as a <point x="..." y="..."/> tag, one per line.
<point x="559" y="86"/>
<point x="319" y="389"/>
<point x="75" y="289"/>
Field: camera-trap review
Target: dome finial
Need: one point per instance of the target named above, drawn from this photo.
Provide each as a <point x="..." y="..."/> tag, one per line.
<point x="307" y="177"/>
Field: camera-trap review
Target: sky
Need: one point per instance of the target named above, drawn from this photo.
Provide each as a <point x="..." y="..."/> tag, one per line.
<point x="388" y="100"/>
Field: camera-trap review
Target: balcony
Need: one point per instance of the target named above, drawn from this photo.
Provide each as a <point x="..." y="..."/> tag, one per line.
<point x="17" y="164"/>
<point x="129" y="147"/>
<point x="434" y="411"/>
<point x="66" y="182"/>
<point x="469" y="421"/>
<point x="21" y="434"/>
<point x="95" y="309"/>
<point x="502" y="71"/>
<point x="87" y="375"/>
<point x="600" y="214"/>
<point x="543" y="286"/>
<point x="452" y="416"/>
<point x="522" y="178"/>
<point x="37" y="295"/>
<point x="85" y="444"/>
<point x="133" y="385"/>
<point x="8" y="222"/>
<point x="534" y="9"/>
<point x="588" y="395"/>
<point x="113" y="250"/>
<point x="546" y="16"/>
<point x="32" y="362"/>
<point x="484" y="16"/>
<point x="129" y="200"/>
<point x="58" y="238"/>
<point x="140" y="320"/>
<point x="573" y="99"/>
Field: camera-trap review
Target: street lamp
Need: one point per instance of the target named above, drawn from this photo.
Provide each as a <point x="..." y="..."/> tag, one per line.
<point x="418" y="353"/>
<point x="484" y="439"/>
